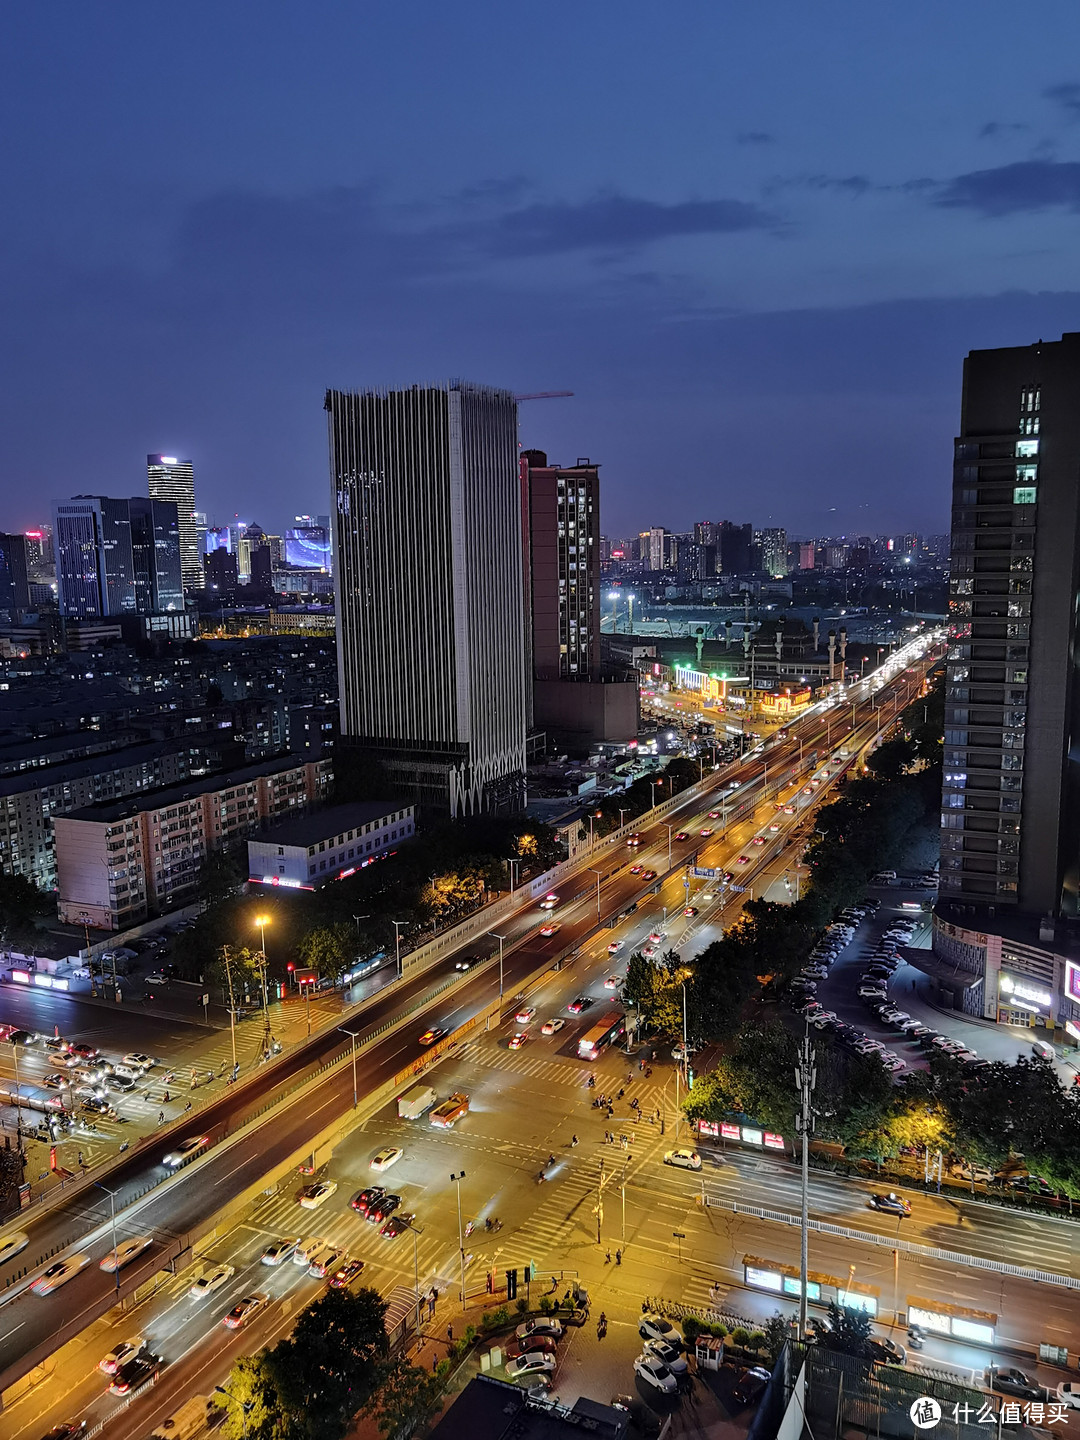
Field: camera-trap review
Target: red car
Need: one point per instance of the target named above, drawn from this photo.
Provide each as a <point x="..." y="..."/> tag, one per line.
<point x="648" y="875"/>
<point x="681" y="835"/>
<point x="636" y="869"/>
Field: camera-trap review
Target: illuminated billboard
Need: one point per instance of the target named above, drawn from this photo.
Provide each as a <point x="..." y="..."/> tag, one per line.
<point x="307" y="548"/>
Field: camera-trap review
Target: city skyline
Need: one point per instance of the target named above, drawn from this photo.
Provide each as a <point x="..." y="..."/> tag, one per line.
<point x="766" y="278"/>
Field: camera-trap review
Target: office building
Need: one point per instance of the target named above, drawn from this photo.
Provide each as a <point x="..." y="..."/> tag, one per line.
<point x="174" y="480"/>
<point x="773" y="546"/>
<point x="311" y="850"/>
<point x="1010" y="838"/>
<point x="155" y="553"/>
<point x="221" y="577"/>
<point x="117" y="557"/>
<point x="119" y="861"/>
<point x="14" y="584"/>
<point x="430" y="590"/>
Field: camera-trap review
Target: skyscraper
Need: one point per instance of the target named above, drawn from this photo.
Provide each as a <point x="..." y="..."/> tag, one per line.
<point x="174" y="480"/>
<point x="116" y="557"/>
<point x="430" y="591"/>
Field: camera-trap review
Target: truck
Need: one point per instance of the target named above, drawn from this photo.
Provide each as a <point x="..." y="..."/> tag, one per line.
<point x="415" y="1102"/>
<point x="450" y="1111"/>
<point x="194" y="1417"/>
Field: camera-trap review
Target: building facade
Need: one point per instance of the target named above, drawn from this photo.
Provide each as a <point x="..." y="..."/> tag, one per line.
<point x="117" y="557"/>
<point x="562" y="556"/>
<point x="14" y="580"/>
<point x="430" y="590"/>
<point x="311" y="850"/>
<point x="174" y="480"/>
<point x="774" y="551"/>
<point x="118" y="862"/>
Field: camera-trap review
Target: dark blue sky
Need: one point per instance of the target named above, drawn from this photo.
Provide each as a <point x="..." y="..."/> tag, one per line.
<point x="755" y="241"/>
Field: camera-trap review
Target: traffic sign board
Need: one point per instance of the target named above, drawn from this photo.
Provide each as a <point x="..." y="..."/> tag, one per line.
<point x="701" y="872"/>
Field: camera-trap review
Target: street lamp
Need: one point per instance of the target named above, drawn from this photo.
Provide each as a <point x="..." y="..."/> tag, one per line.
<point x="416" y="1230"/>
<point x="500" y="939"/>
<point x="397" y="924"/>
<point x="358" y="918"/>
<point x="232" y="1004"/>
<point x="599" y="876"/>
<point x="246" y="1406"/>
<point x="112" y="1216"/>
<point x="457" y="1176"/>
<point x="513" y="877"/>
<point x="669" y="829"/>
<point x="652" y="791"/>
<point x="352" y="1034"/>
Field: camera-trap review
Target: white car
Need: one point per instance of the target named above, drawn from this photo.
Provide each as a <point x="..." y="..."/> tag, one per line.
<point x="138" y="1061"/>
<point x="186" y="1150"/>
<point x="386" y="1157"/>
<point x="59" y="1274"/>
<point x="669" y="1354"/>
<point x="11" y="1245"/>
<point x="533" y="1362"/>
<point x="279" y="1251"/>
<point x="211" y="1281"/>
<point x="655" y="1373"/>
<point x="125" y="1252"/>
<point x="305" y="1249"/>
<point x="655" y="1327"/>
<point x="542" y="1325"/>
<point x="125" y="1351"/>
<point x="552" y="1026"/>
<point x="315" y="1194"/>
<point x="615" y="947"/>
<point x="1068" y="1393"/>
<point x="525" y="1014"/>
<point x="611" y="982"/>
<point x="683" y="1159"/>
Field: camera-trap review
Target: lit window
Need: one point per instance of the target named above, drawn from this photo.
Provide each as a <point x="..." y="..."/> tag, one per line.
<point x="1026" y="448"/>
<point x="1023" y="494"/>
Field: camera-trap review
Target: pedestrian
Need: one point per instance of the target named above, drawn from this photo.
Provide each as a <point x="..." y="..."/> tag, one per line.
<point x="573" y="1141"/>
<point x="607" y="1257"/>
<point x="165" y="1097"/>
<point x="434" y="1362"/>
<point x="80" y="1157"/>
<point x="618" y="1257"/>
<point x="450" y="1332"/>
<point x="610" y="1113"/>
<point x="187" y="1107"/>
<point x="161" y="1117"/>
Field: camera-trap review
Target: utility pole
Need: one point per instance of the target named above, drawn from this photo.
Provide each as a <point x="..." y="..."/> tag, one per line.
<point x="599" y="876"/>
<point x="457" y="1176"/>
<point x="397" y="924"/>
<point x="806" y="1079"/>
<point x="232" y="1004"/>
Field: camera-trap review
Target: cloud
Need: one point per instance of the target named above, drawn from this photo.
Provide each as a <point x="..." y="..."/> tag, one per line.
<point x="1025" y="186"/>
<point x="995" y="128"/>
<point x="754" y="137"/>
<point x="618" y="222"/>
<point x="1067" y="95"/>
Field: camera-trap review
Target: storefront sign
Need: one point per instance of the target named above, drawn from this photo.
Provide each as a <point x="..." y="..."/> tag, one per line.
<point x="1019" y="991"/>
<point x="855" y="1300"/>
<point x="764" y="1279"/>
<point x="1072" y="980"/>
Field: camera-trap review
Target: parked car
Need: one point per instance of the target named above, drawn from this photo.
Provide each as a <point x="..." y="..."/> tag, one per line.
<point x="751" y="1385"/>
<point x="683" y="1159"/>
<point x="655" y="1327"/>
<point x="669" y="1354"/>
<point x="541" y="1325"/>
<point x="533" y="1362"/>
<point x="655" y="1373"/>
<point x="1007" y="1380"/>
<point x="886" y="1351"/>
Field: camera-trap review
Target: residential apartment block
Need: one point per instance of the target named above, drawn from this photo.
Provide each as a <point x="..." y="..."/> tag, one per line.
<point x="119" y="861"/>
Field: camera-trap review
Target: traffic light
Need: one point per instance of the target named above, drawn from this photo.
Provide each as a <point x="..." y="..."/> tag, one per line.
<point x="527" y="1273"/>
<point x="511" y="1284"/>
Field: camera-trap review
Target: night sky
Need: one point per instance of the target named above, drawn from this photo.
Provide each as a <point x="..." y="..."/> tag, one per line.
<point x="755" y="241"/>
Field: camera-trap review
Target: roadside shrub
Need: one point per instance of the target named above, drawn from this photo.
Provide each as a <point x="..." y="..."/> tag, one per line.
<point x="546" y="1305"/>
<point x="757" y="1339"/>
<point x="692" y="1328"/>
<point x="522" y="1306"/>
<point x="500" y="1317"/>
<point x="486" y="1320"/>
<point x="740" y="1336"/>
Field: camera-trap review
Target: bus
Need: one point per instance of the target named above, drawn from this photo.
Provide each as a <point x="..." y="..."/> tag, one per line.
<point x="605" y="1032"/>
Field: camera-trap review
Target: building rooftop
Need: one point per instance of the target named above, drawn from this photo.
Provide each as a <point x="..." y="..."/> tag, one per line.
<point x="497" y="1410"/>
<point x="317" y="825"/>
<point x="109" y="810"/>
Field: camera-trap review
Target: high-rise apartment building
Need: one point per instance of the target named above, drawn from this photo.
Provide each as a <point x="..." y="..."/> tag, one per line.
<point x="1011" y="798"/>
<point x="736" y="542"/>
<point x="774" y="556"/>
<point x="562" y="514"/>
<point x="657" y="556"/>
<point x="117" y="557"/>
<point x="429" y="584"/>
<point x="174" y="480"/>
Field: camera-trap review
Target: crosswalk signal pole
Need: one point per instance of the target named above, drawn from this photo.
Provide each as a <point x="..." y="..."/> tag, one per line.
<point x="805" y="1078"/>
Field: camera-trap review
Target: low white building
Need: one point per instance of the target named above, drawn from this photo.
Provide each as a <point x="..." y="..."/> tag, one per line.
<point x="311" y="850"/>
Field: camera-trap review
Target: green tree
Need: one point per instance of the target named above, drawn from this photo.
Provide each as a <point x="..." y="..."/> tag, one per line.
<point x="777" y="1331"/>
<point x="640" y="985"/>
<point x="251" y="1402"/>
<point x="891" y="759"/>
<point x="220" y="877"/>
<point x="849" y="1331"/>
<point x="21" y="902"/>
<point x="756" y="1078"/>
<point x="331" y="1365"/>
<point x="244" y="967"/>
<point x="407" y="1397"/>
<point x="327" y="949"/>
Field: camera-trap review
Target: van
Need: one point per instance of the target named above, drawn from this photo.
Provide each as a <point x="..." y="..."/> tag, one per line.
<point x="1042" y="1050"/>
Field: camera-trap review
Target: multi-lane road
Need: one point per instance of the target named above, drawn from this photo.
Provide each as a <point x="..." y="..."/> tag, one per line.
<point x="28" y="1324"/>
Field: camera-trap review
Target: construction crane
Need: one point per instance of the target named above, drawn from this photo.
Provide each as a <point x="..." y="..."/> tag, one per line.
<point x="546" y="395"/>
